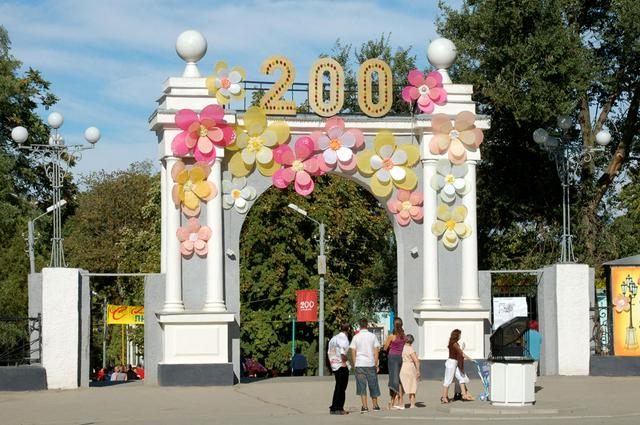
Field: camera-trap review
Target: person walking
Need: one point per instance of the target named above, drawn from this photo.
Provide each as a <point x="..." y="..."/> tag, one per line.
<point x="532" y="343"/>
<point x="299" y="363"/>
<point x="410" y="371"/>
<point x="337" y="353"/>
<point x="393" y="345"/>
<point x="365" y="349"/>
<point x="454" y="366"/>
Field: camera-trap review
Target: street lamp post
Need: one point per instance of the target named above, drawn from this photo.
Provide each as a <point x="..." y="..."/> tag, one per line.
<point x="628" y="285"/>
<point x="31" y="234"/>
<point x="322" y="269"/>
<point x="55" y="157"/>
<point x="568" y="155"/>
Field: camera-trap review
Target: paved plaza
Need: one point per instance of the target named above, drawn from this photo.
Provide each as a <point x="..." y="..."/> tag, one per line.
<point x="305" y="401"/>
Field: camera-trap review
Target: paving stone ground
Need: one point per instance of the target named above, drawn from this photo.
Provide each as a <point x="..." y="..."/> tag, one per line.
<point x="305" y="401"/>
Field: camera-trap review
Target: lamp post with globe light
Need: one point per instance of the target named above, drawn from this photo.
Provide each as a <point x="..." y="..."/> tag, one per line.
<point x="630" y="287"/>
<point x="54" y="156"/>
<point x="568" y="154"/>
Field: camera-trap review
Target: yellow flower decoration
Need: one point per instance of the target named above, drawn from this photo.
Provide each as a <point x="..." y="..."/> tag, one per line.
<point x="255" y="143"/>
<point x="225" y="83"/>
<point x="191" y="187"/>
<point x="389" y="165"/>
<point x="450" y="225"/>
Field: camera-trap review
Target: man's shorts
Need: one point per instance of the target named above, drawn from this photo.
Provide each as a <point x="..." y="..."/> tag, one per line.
<point x="367" y="376"/>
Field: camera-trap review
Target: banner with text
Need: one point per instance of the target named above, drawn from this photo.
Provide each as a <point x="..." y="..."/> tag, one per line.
<point x="125" y="315"/>
<point x="307" y="305"/>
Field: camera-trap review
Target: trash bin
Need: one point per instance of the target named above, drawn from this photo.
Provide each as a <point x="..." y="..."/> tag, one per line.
<point x="512" y="371"/>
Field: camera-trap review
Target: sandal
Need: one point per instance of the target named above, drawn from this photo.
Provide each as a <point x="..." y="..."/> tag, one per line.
<point x="444" y="400"/>
<point x="467" y="397"/>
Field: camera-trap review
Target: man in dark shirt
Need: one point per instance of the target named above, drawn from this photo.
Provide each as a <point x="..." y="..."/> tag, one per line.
<point x="299" y="363"/>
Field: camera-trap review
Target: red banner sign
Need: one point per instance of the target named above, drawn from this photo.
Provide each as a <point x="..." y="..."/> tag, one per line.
<point x="307" y="305"/>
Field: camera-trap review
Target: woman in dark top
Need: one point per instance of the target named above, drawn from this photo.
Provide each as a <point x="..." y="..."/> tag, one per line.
<point x="454" y="366"/>
<point x="394" y="344"/>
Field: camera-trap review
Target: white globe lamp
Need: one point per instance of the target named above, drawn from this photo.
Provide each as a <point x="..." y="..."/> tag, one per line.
<point x="19" y="135"/>
<point x="92" y="135"/>
<point x="603" y="137"/>
<point x="441" y="54"/>
<point x="564" y="122"/>
<point x="540" y="136"/>
<point x="191" y="46"/>
<point x="55" y="120"/>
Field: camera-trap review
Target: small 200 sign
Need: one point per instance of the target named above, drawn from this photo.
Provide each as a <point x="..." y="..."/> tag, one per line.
<point x="273" y="103"/>
<point x="307" y="305"/>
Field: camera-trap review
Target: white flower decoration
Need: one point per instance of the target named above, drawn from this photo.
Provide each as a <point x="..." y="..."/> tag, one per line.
<point x="449" y="180"/>
<point x="237" y="194"/>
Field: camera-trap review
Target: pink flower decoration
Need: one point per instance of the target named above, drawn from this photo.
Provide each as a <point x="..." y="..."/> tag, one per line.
<point x="427" y="91"/>
<point x="193" y="238"/>
<point x="201" y="134"/>
<point x="298" y="167"/>
<point x="621" y="303"/>
<point x="338" y="144"/>
<point x="407" y="207"/>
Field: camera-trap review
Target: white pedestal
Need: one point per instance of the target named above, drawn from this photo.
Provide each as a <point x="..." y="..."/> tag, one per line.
<point x="563" y="311"/>
<point x="195" y="337"/>
<point x="512" y="384"/>
<point x="436" y="326"/>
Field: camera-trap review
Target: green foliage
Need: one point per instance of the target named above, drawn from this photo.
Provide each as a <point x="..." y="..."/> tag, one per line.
<point x="279" y="256"/>
<point x="401" y="62"/>
<point x="116" y="228"/>
<point x="530" y="61"/>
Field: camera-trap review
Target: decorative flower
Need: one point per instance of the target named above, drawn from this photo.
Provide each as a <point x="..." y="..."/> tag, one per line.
<point x="621" y="303"/>
<point x="450" y="225"/>
<point x="193" y="237"/>
<point x="202" y="134"/>
<point x="255" y="142"/>
<point x="427" y="91"/>
<point x="237" y="194"/>
<point x="389" y="164"/>
<point x="407" y="206"/>
<point x="449" y="180"/>
<point x="338" y="144"/>
<point x="297" y="167"/>
<point x="192" y="187"/>
<point x="455" y="139"/>
<point x="225" y="83"/>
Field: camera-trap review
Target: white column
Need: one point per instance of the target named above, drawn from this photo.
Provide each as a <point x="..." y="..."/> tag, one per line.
<point x="163" y="207"/>
<point x="173" y="283"/>
<point x="470" y="297"/>
<point x="430" y="292"/>
<point x="215" y="270"/>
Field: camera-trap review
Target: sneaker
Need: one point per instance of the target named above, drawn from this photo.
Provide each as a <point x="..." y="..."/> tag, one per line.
<point x="365" y="410"/>
<point x="376" y="408"/>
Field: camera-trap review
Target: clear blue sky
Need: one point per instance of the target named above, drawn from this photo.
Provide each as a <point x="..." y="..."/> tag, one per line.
<point x="107" y="60"/>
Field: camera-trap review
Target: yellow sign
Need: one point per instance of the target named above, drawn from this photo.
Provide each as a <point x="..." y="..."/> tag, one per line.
<point x="125" y="315"/>
<point x="626" y="312"/>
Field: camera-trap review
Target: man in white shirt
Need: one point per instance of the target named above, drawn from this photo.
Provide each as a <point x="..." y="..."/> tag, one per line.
<point x="337" y="352"/>
<point x="365" y="349"/>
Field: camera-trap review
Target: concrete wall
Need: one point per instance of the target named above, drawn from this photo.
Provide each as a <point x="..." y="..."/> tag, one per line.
<point x="153" y="302"/>
<point x="65" y="327"/>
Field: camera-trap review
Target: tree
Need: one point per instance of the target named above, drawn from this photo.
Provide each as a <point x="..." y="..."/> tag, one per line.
<point x="279" y="253"/>
<point x="530" y="61"/>
<point x="23" y="188"/>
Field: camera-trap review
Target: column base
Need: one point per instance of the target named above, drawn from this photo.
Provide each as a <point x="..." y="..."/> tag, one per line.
<point x="173" y="307"/>
<point x="429" y="304"/>
<point x="470" y="303"/>
<point x="215" y="306"/>
<point x="436" y="326"/>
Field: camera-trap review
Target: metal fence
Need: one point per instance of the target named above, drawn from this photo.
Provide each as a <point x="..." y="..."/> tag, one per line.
<point x="516" y="283"/>
<point x="299" y="92"/>
<point x="602" y="325"/>
<point x="20" y="340"/>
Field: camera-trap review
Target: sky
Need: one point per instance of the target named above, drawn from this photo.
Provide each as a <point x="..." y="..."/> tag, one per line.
<point x="107" y="60"/>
